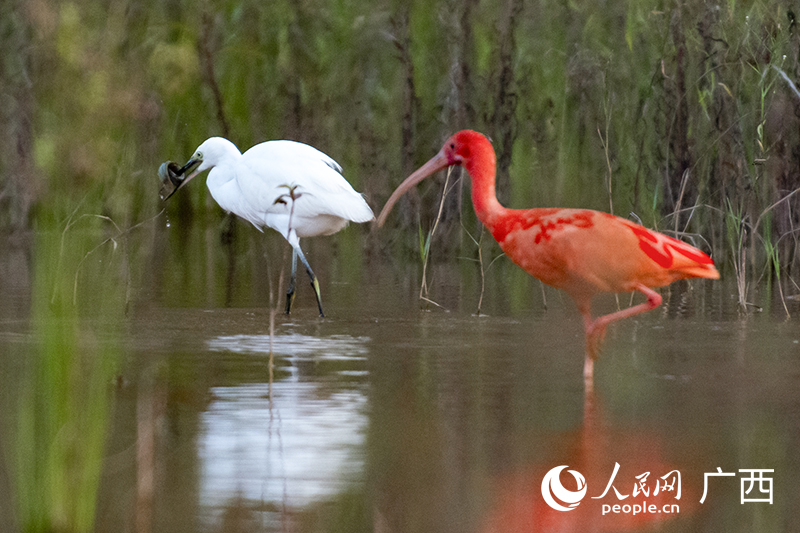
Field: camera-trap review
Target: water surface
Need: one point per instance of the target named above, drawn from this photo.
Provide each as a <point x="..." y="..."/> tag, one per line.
<point x="389" y="415"/>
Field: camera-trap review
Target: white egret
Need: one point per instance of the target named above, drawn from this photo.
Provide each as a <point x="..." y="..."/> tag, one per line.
<point x="288" y="186"/>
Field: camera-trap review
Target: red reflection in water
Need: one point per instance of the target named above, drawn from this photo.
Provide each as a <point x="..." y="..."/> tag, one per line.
<point x="593" y="452"/>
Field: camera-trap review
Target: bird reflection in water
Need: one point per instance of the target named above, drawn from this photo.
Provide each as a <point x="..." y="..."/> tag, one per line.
<point x="630" y="484"/>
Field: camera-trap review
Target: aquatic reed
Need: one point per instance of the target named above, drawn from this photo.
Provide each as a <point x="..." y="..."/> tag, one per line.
<point x="63" y="400"/>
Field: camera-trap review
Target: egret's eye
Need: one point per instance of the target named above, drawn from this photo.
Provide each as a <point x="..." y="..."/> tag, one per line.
<point x="198" y="155"/>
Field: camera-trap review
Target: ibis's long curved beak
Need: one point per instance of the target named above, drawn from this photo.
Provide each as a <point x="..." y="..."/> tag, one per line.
<point x="437" y="163"/>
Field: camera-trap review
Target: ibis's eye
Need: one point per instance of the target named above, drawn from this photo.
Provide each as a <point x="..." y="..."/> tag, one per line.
<point x="452" y="146"/>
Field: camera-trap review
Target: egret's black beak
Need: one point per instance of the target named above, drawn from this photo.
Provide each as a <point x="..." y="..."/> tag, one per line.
<point x="189" y="164"/>
<point x="172" y="176"/>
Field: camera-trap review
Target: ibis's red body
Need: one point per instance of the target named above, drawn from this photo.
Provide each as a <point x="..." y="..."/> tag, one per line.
<point x="580" y="251"/>
<point x="585" y="252"/>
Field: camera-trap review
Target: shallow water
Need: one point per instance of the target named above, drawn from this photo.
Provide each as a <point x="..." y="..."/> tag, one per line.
<point x="386" y="417"/>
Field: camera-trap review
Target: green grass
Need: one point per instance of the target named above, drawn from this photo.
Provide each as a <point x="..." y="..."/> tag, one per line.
<point x="58" y="415"/>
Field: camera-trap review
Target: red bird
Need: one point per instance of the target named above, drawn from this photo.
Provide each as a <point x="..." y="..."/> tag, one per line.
<point x="580" y="251"/>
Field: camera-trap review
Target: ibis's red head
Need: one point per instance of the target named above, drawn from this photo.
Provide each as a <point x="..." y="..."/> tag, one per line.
<point x="460" y="149"/>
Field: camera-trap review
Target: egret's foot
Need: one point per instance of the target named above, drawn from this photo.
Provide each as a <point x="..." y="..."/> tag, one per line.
<point x="292" y="283"/>
<point x="315" y="286"/>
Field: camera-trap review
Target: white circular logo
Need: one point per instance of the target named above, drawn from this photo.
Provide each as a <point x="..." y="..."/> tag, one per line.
<point x="556" y="495"/>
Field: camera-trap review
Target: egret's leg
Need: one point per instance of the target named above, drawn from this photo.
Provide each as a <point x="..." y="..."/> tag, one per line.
<point x="292" y="280"/>
<point x="312" y="276"/>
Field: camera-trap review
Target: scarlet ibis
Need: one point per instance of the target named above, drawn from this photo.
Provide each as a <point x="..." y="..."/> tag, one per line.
<point x="288" y="186"/>
<point x="580" y="251"/>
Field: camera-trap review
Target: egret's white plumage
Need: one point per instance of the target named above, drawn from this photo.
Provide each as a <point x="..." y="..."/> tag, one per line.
<point x="288" y="186"/>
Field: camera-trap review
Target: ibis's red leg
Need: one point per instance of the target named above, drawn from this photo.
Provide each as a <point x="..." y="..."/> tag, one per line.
<point x="596" y="328"/>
